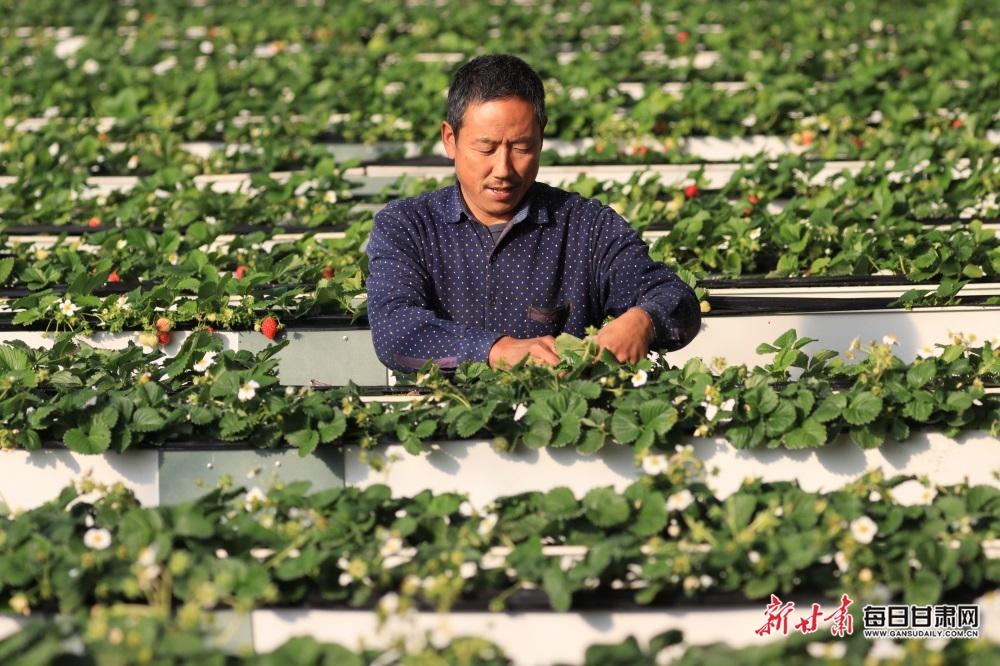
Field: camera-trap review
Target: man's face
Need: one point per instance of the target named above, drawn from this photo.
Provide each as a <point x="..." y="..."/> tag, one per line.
<point x="496" y="156"/>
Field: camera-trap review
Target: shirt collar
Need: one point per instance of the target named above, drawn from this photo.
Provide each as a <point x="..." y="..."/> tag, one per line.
<point x="531" y="208"/>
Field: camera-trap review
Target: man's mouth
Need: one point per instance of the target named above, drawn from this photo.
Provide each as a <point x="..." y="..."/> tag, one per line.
<point x="501" y="189"/>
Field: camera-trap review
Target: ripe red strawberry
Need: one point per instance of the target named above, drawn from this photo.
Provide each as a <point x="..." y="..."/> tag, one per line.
<point x="163" y="325"/>
<point x="164" y="337"/>
<point x="94" y="222"/>
<point x="956" y="123"/>
<point x="240" y="271"/>
<point x="269" y="327"/>
<point x="691" y="191"/>
<point x="114" y="277"/>
<point x="683" y="36"/>
<point x="328" y="272"/>
<point x="807" y="137"/>
<point x="753" y="199"/>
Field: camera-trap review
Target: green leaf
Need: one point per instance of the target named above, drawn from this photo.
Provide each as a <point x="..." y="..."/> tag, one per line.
<point x="920" y="373"/>
<point x="13" y="359"/>
<point x="919" y="408"/>
<point x="76" y="439"/>
<point x="659" y="415"/>
<point x="738" y="510"/>
<point x="556" y="586"/>
<point x="652" y="516"/>
<point x="592" y="441"/>
<point x="605" y="508"/>
<point x="760" y="588"/>
<point x="560" y="503"/>
<point x="147" y="419"/>
<point x="831" y="408"/>
<point x="811" y="433"/>
<point x="6" y="266"/>
<point x="924" y="589"/>
<point x="958" y="401"/>
<point x="538" y="435"/>
<point x="781" y="419"/>
<point x="863" y="408"/>
<point x="868" y="437"/>
<point x="304" y="440"/>
<point x="624" y="428"/>
<point x="473" y="421"/>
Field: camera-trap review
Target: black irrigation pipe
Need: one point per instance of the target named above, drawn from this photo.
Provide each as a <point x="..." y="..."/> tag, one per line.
<point x="240" y="229"/>
<point x="601" y="600"/>
<point x="334" y="322"/>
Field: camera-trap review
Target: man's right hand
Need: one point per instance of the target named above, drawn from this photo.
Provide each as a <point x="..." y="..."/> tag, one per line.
<point x="508" y="351"/>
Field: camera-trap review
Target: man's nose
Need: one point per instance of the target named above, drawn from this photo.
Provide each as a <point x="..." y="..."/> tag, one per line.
<point x="502" y="166"/>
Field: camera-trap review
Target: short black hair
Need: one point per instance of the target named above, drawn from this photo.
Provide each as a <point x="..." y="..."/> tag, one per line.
<point x="491" y="77"/>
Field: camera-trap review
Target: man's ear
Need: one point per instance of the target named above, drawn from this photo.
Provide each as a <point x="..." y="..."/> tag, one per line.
<point x="449" y="139"/>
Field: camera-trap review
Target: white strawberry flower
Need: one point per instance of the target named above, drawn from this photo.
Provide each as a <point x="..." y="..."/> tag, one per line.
<point x="254" y="497"/>
<point x="840" y="559"/>
<point x="639" y="378"/>
<point x="680" y="500"/>
<point x="890" y="340"/>
<point x="205" y="362"/>
<point x="391" y="546"/>
<point x="67" y="308"/>
<point x="133" y="162"/>
<point x="221" y="554"/>
<point x="467" y="569"/>
<point x="97" y="538"/>
<point x="863" y="529"/>
<point x="164" y="66"/>
<point x="389" y="603"/>
<point x="466" y="508"/>
<point x="753" y="556"/>
<point x="488" y="522"/>
<point x="520" y="410"/>
<point x="654" y="465"/>
<point x="248" y="391"/>
<point x="913" y="493"/>
<point x="826" y="650"/>
<point x="710" y="410"/>
<point x="330" y="197"/>
<point x="53" y="149"/>
<point x="90" y="67"/>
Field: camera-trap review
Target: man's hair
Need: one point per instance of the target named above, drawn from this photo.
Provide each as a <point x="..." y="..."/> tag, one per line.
<point x="491" y="77"/>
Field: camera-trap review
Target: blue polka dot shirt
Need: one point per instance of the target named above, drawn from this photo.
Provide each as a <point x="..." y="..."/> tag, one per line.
<point x="440" y="289"/>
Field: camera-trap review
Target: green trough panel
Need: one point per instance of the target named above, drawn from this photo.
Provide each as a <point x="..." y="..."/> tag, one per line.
<point x="330" y="356"/>
<point x="186" y="474"/>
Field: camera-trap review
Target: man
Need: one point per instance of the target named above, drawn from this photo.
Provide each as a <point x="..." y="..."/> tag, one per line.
<point x="491" y="269"/>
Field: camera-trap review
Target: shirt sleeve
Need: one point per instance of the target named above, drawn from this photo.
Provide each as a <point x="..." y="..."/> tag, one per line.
<point x="627" y="277"/>
<point x="406" y="331"/>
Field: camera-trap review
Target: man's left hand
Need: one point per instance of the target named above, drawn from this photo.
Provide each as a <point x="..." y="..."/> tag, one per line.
<point x="628" y="336"/>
